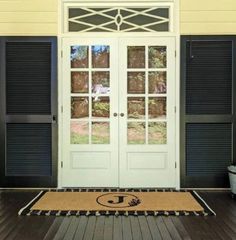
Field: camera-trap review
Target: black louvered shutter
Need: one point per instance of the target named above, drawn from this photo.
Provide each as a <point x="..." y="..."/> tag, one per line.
<point x="28" y="112"/>
<point x="207" y="114"/>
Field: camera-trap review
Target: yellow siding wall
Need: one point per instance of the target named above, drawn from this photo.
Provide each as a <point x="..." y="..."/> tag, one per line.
<point x="208" y="17"/>
<point x="28" y="17"/>
<point x="39" y="17"/>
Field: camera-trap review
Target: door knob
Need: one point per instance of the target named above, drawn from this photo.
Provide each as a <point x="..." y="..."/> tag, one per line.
<point x="115" y="114"/>
<point x="122" y="114"/>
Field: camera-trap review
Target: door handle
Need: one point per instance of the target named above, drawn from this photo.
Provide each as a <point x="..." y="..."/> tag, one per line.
<point x="122" y="114"/>
<point x="54" y="119"/>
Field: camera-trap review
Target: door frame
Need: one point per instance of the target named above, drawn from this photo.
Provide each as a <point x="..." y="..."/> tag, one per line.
<point x="175" y="33"/>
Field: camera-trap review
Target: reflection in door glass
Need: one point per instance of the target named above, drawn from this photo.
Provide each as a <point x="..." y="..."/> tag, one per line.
<point x="79" y="56"/>
<point x="101" y="82"/>
<point x="136" y="133"/>
<point x="101" y="107"/>
<point x="100" y="56"/>
<point x="136" y="82"/>
<point x="79" y="82"/>
<point x="79" y="132"/>
<point x="79" y="107"/>
<point x="157" y="57"/>
<point x="157" y="107"/>
<point x="157" y="82"/>
<point x="136" y="56"/>
<point x="136" y="107"/>
<point x="157" y="133"/>
<point x="100" y="132"/>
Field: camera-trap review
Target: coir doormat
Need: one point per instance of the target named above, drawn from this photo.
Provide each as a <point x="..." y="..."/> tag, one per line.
<point x="66" y="202"/>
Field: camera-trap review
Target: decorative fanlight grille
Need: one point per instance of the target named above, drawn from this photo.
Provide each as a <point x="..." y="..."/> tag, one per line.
<point x="119" y="19"/>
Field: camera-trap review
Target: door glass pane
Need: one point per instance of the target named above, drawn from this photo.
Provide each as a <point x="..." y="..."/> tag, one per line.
<point x="136" y="133"/>
<point x="100" y="132"/>
<point x="79" y="132"/>
<point x="157" y="57"/>
<point x="157" y="82"/>
<point x="101" y="82"/>
<point x="157" y="107"/>
<point x="100" y="56"/>
<point x="157" y="133"/>
<point x="101" y="107"/>
<point x="136" y="107"/>
<point x="79" y="56"/>
<point x="136" y="82"/>
<point x="79" y="82"/>
<point x="79" y="107"/>
<point x="136" y="56"/>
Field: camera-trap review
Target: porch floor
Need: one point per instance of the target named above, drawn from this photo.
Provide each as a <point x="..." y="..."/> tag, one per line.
<point x="223" y="226"/>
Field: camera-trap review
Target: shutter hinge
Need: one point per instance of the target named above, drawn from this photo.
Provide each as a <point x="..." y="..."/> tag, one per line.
<point x="175" y="164"/>
<point x="61" y="109"/>
<point x="61" y="164"/>
<point x="175" y="109"/>
<point x="175" y="53"/>
<point x="61" y="53"/>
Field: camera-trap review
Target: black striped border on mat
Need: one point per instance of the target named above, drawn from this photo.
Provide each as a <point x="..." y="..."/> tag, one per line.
<point x="25" y="211"/>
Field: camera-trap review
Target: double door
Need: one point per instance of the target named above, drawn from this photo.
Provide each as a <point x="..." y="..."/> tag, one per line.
<point x="119" y="112"/>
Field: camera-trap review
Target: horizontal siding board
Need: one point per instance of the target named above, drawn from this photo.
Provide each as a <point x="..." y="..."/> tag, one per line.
<point x="208" y="17"/>
<point x="193" y="5"/>
<point x="29" y="5"/>
<point x="208" y="28"/>
<point x="22" y="29"/>
<point x="28" y="17"/>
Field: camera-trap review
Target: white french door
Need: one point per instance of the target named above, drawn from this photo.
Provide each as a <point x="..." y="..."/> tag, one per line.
<point x="147" y="128"/>
<point x="119" y="114"/>
<point x="90" y="96"/>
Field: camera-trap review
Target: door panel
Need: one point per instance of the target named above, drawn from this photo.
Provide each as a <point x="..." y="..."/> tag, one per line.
<point x="147" y="122"/>
<point x="90" y="106"/>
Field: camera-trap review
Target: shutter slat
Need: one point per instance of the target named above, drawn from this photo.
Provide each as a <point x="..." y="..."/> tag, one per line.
<point x="209" y="77"/>
<point x="28" y="150"/>
<point x="28" y="78"/>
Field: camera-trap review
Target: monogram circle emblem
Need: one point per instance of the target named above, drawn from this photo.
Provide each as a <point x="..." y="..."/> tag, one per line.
<point x="118" y="200"/>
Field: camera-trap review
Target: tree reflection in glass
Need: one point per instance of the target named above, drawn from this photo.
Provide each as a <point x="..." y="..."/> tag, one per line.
<point x="136" y="133"/>
<point x="136" y="107"/>
<point x="157" y="107"/>
<point x="100" y="56"/>
<point x="100" y="132"/>
<point x="79" y="56"/>
<point x="157" y="82"/>
<point x="79" y="82"/>
<point x="79" y="132"/>
<point x="79" y="107"/>
<point x="157" y="57"/>
<point x="157" y="133"/>
<point x="136" y="82"/>
<point x="101" y="82"/>
<point x="136" y="57"/>
<point x="101" y="107"/>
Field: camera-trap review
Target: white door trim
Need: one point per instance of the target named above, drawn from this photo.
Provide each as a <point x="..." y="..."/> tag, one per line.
<point x="175" y="33"/>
